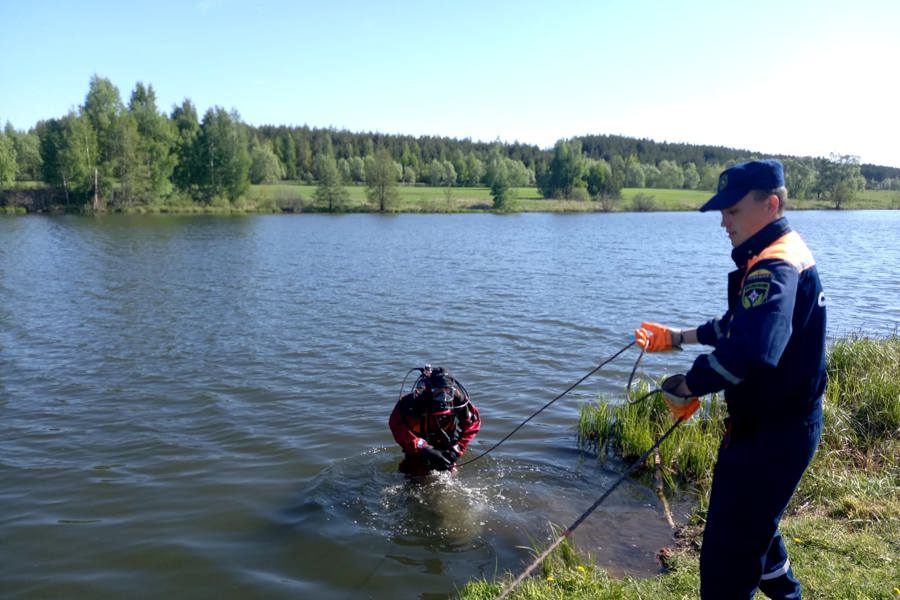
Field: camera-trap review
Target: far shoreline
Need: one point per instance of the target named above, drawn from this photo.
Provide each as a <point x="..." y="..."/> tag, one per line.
<point x="296" y="198"/>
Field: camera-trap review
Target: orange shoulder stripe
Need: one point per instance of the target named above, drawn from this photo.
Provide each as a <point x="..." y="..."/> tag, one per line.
<point x="791" y="248"/>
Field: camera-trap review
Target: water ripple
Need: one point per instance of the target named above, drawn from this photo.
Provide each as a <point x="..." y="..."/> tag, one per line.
<point x="198" y="406"/>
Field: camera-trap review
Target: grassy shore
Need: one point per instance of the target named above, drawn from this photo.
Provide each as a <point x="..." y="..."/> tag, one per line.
<point x="528" y="199"/>
<point x="295" y="197"/>
<point x="842" y="528"/>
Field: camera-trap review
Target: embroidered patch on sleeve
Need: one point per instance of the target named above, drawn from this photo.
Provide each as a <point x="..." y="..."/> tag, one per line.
<point x="754" y="293"/>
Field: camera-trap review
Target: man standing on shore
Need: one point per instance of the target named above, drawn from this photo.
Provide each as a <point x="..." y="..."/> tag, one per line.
<point x="769" y="358"/>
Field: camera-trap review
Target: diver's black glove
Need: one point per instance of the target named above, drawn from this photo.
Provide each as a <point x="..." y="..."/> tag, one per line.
<point x="434" y="459"/>
<point x="452" y="455"/>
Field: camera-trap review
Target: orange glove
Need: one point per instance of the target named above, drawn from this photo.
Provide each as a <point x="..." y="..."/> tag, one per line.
<point x="654" y="337"/>
<point x="683" y="412"/>
<point x="681" y="407"/>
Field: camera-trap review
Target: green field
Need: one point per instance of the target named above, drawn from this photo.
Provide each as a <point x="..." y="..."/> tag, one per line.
<point x="528" y="199"/>
<point x="296" y="197"/>
<point x="873" y="199"/>
<point x="460" y="199"/>
<point x="412" y="198"/>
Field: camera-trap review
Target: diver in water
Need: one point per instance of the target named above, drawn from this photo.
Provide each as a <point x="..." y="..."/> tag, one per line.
<point x="434" y="423"/>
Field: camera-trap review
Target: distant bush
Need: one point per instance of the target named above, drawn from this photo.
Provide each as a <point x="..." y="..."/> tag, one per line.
<point x="579" y="194"/>
<point x="286" y="201"/>
<point x="644" y="202"/>
<point x="608" y="203"/>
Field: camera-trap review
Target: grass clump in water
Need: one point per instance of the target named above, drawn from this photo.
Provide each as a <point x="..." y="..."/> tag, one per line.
<point x="627" y="430"/>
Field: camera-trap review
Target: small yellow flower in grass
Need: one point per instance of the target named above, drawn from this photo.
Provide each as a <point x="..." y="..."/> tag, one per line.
<point x="897" y="591"/>
<point x="580" y="568"/>
<point x="798" y="540"/>
<point x="551" y="578"/>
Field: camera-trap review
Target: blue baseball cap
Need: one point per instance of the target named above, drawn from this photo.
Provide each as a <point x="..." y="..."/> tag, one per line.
<point x="736" y="181"/>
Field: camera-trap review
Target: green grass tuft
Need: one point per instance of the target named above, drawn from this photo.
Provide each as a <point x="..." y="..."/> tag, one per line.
<point x="627" y="430"/>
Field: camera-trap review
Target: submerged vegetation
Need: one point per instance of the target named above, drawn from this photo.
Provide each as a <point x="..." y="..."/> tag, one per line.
<point x="842" y="528"/>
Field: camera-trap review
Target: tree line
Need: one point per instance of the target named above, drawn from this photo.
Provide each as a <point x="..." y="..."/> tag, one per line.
<point x="110" y="153"/>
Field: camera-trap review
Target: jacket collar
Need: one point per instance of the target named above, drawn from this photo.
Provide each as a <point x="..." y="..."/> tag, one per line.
<point x="760" y="241"/>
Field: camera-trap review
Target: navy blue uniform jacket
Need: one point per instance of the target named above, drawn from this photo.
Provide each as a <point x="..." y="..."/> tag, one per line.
<point x="769" y="352"/>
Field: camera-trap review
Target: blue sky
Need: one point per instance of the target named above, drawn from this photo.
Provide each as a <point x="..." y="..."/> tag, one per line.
<point x="801" y="77"/>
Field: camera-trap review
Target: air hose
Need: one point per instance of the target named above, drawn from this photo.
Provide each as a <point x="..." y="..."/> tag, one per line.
<point x="540" y="410"/>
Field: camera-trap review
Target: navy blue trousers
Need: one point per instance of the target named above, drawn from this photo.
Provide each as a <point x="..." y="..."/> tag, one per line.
<point x="756" y="473"/>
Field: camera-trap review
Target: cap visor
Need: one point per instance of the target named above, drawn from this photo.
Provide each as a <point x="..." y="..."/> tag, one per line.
<point x="723" y="200"/>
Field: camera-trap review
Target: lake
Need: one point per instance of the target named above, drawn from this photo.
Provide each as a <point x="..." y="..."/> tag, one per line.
<point x="197" y="406"/>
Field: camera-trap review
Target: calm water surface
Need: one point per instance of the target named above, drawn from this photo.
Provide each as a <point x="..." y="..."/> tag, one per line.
<point x="197" y="407"/>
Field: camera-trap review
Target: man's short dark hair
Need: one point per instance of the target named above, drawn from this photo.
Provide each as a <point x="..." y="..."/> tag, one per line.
<point x="780" y="192"/>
